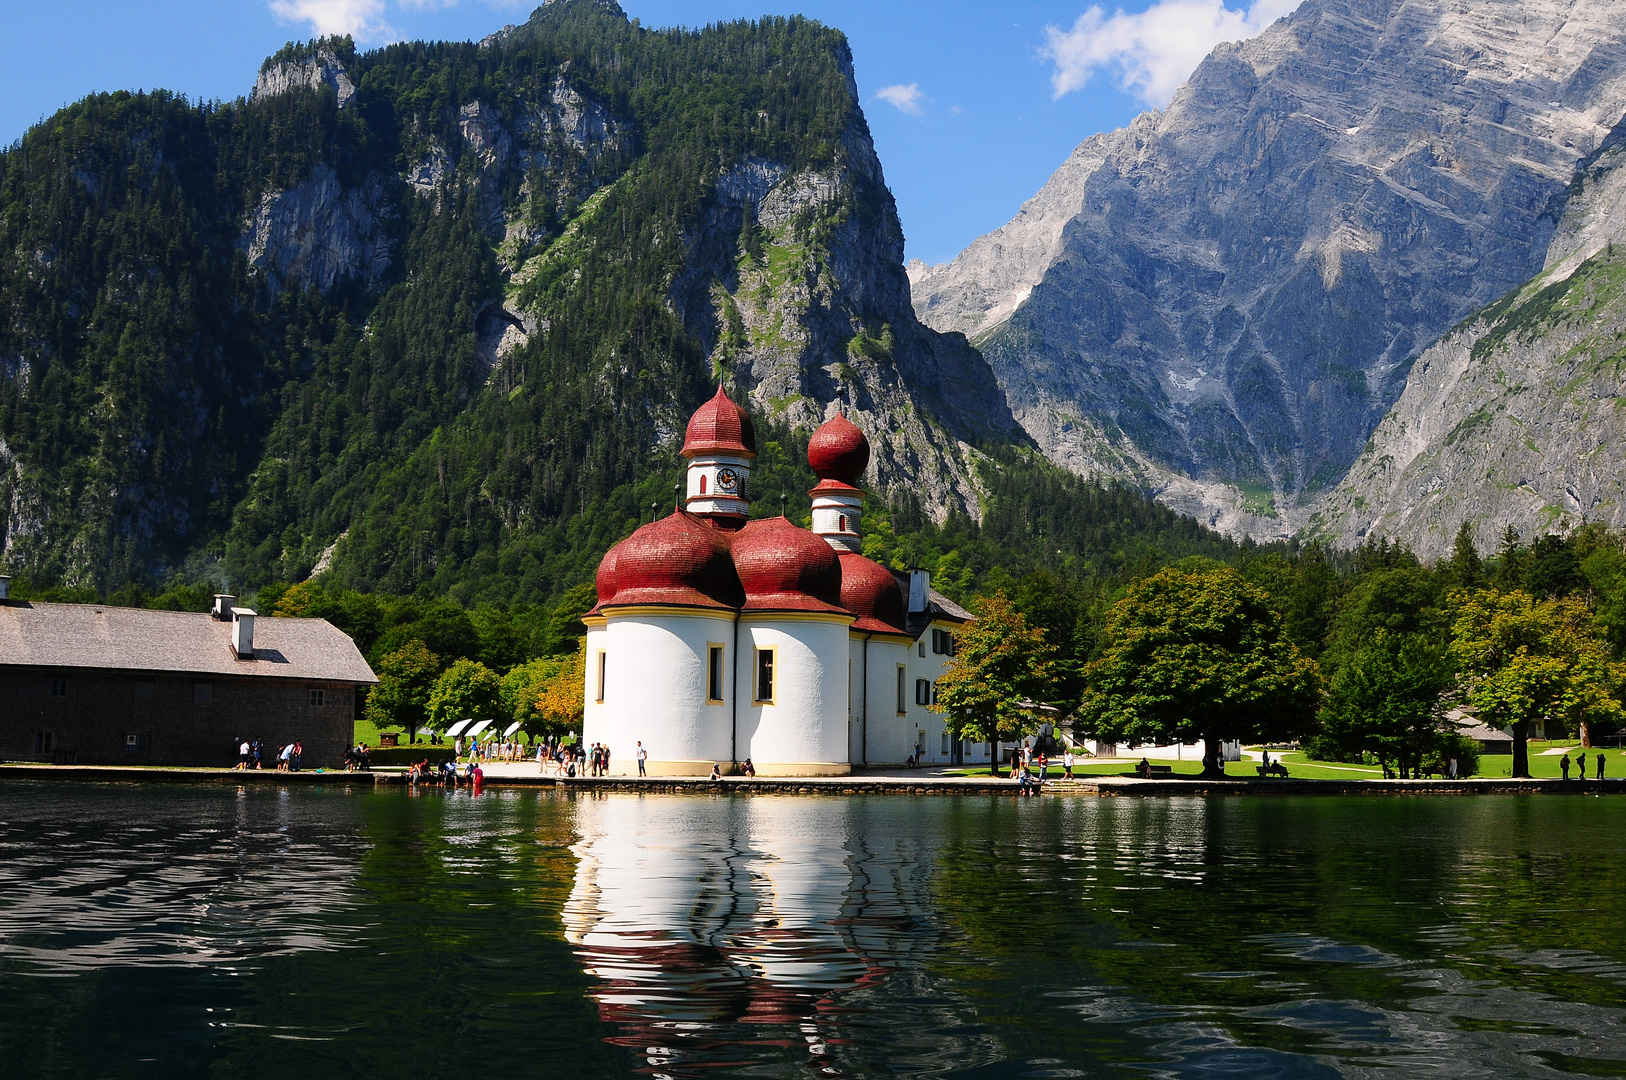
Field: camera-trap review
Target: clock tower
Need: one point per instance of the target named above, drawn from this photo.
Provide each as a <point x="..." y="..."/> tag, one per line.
<point x="720" y="444"/>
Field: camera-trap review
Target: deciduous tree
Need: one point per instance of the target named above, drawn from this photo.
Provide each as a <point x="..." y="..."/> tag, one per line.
<point x="1386" y="699"/>
<point x="1534" y="660"/>
<point x="466" y="690"/>
<point x="1000" y="670"/>
<point x="1199" y="653"/>
<point x="405" y="680"/>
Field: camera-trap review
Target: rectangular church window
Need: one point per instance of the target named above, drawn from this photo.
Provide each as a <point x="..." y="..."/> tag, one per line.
<point x="600" y="695"/>
<point x="765" y="663"/>
<point x="714" y="674"/>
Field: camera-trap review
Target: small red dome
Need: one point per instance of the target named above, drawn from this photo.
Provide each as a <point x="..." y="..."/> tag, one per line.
<point x="784" y="568"/>
<point x="676" y="560"/>
<point x="721" y="426"/>
<point x="869" y="591"/>
<point x="838" y="451"/>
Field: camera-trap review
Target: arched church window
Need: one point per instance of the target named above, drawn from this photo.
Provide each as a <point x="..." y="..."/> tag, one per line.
<point x="843" y="522"/>
<point x="702" y="483"/>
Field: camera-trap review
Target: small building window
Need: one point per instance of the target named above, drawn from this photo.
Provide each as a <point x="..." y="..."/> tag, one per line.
<point x="601" y="667"/>
<point x="765" y="665"/>
<point x="922" y="647"/>
<point x="143" y="691"/>
<point x="714" y="674"/>
<point x="702" y="483"/>
<point x="843" y="522"/>
<point x="943" y="642"/>
<point x="902" y="706"/>
<point x="202" y="693"/>
<point x="44" y="742"/>
<point x="923" y="692"/>
<point x="945" y="743"/>
<point x="59" y="688"/>
<point x="316" y="698"/>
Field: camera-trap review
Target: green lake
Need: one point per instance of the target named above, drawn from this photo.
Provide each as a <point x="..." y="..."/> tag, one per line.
<point x="314" y="932"/>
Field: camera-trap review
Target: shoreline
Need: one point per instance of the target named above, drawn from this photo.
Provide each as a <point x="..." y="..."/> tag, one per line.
<point x="1095" y="787"/>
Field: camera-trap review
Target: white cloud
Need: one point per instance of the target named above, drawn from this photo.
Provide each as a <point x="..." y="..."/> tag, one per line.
<point x="362" y="19"/>
<point x="907" y="99"/>
<point x="1155" y="51"/>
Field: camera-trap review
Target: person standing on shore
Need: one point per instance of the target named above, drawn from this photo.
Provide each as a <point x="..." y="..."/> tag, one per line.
<point x="1580" y="766"/>
<point x="643" y="756"/>
<point x="1564" y="766"/>
<point x="1067" y="762"/>
<point x="1599" y="756"/>
<point x="242" y="754"/>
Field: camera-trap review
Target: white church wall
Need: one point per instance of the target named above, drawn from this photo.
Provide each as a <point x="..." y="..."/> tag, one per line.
<point x="655" y="691"/>
<point x="803" y="731"/>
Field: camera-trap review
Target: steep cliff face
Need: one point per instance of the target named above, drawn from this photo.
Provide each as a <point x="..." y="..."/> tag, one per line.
<point x="1220" y="301"/>
<point x="1516" y="418"/>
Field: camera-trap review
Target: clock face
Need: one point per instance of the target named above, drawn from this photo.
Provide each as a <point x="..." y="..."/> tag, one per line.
<point x="728" y="479"/>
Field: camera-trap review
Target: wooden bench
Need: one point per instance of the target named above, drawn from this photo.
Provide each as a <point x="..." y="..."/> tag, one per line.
<point x="1153" y="770"/>
<point x="1275" y="768"/>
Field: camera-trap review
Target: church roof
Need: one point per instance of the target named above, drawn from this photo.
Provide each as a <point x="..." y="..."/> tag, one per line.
<point x="786" y="568"/>
<point x="677" y="560"/>
<point x="720" y="426"/>
<point x="838" y="451"/>
<point x="135" y="639"/>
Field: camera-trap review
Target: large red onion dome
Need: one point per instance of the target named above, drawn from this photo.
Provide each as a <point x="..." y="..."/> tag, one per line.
<point x="676" y="560"/>
<point x="784" y="568"/>
<point x="720" y="426"/>
<point x="869" y="591"/>
<point x="839" y="451"/>
<point x="604" y="580"/>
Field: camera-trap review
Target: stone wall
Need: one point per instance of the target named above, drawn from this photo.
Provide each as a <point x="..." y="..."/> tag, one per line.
<point x="175" y="722"/>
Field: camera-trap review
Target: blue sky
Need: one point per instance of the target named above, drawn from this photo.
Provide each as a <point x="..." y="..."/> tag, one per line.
<point x="972" y="104"/>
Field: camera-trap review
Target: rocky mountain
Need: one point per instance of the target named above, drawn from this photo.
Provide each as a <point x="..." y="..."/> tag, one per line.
<point x="1514" y="418"/>
<point x="433" y="316"/>
<point x="1220" y="302"/>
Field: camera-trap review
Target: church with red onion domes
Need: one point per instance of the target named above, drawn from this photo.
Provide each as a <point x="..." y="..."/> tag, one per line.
<point x="719" y="638"/>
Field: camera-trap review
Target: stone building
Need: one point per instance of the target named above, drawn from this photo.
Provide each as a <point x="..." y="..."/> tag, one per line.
<point x="718" y="638"/>
<point x="91" y="684"/>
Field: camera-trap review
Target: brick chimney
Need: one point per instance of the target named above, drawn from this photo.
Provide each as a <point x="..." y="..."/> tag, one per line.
<point x="242" y="633"/>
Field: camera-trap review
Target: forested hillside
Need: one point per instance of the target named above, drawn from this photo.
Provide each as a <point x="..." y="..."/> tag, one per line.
<point x="431" y="318"/>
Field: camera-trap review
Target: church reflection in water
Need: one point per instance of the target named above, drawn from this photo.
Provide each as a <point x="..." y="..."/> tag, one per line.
<point x="748" y="930"/>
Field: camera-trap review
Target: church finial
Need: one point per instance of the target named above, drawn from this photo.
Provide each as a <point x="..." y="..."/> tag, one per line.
<point x="783" y="498"/>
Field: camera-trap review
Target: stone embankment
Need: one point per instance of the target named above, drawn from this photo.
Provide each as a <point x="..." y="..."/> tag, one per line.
<point x="925" y="784"/>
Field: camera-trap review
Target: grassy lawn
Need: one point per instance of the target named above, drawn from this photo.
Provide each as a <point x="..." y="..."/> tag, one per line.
<point x="1125" y="766"/>
<point x="1542" y="766"/>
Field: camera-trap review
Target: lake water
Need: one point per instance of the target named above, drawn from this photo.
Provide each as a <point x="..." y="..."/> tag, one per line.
<point x="204" y="931"/>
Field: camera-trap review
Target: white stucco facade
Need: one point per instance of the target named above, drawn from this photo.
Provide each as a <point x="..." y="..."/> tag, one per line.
<point x="654" y="664"/>
<point x="802" y="729"/>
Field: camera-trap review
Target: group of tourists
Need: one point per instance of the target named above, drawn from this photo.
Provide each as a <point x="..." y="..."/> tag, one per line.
<point x="490" y="750"/>
<point x="1580" y="764"/>
<point x="251" y="754"/>
<point x="445" y="775"/>
<point x="356" y="759"/>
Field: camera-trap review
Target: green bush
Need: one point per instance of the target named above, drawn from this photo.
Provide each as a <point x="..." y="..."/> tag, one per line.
<point x="1326" y="748"/>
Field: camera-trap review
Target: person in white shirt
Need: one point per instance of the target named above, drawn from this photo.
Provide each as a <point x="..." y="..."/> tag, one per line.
<point x="643" y="756"/>
<point x="1067" y="762"/>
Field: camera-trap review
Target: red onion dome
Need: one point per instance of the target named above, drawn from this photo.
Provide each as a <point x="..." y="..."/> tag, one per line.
<point x="604" y="580"/>
<point x="676" y="560"/>
<point x="784" y="568"/>
<point x="869" y="591"/>
<point x="722" y="426"/>
<point x="838" y="451"/>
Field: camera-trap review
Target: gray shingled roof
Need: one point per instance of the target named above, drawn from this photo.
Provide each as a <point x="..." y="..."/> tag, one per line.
<point x="135" y="639"/>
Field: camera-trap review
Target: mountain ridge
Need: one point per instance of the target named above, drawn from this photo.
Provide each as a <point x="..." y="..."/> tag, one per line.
<point x="1249" y="273"/>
